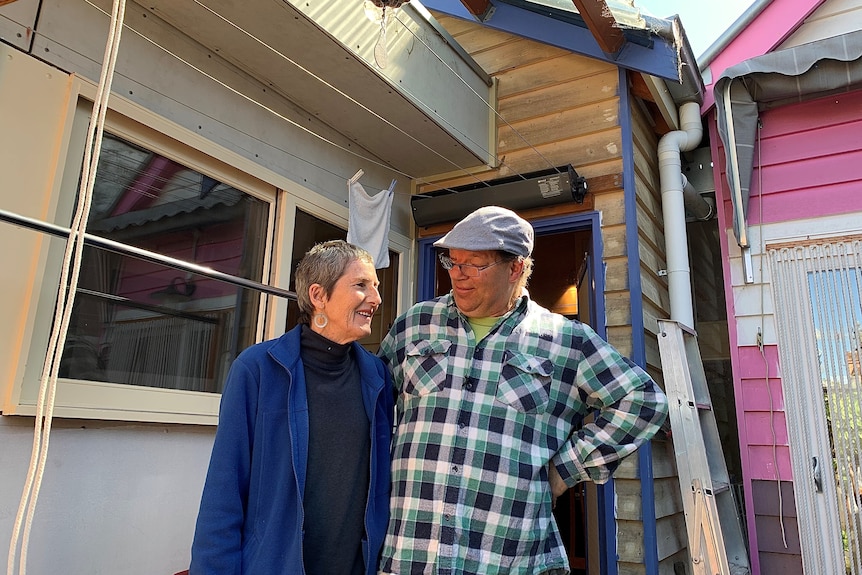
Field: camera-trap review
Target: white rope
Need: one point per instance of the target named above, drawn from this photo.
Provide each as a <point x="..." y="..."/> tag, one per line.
<point x="65" y="300"/>
<point x="762" y="328"/>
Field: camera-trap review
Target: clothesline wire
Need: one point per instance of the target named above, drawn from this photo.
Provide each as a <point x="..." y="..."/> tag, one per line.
<point x="340" y="92"/>
<point x="273" y="112"/>
<point x="268" y="109"/>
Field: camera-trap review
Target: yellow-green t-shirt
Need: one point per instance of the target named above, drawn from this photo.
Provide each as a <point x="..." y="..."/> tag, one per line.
<point x="482" y="325"/>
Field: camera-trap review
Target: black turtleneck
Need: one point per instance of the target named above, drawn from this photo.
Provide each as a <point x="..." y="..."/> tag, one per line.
<point x="336" y="484"/>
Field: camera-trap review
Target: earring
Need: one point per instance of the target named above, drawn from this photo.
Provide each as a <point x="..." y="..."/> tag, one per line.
<point x="320" y="320"/>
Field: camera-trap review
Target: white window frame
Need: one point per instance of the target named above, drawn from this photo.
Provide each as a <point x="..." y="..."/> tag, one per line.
<point x="111" y="401"/>
<point x="130" y="121"/>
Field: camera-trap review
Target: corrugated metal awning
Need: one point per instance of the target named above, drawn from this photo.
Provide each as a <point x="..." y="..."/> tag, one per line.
<point x="804" y="72"/>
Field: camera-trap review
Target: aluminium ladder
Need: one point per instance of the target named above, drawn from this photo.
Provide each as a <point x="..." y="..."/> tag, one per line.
<point x="715" y="540"/>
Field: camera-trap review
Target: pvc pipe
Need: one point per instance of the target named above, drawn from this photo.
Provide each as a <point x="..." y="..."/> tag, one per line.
<point x="695" y="204"/>
<point x="673" y="208"/>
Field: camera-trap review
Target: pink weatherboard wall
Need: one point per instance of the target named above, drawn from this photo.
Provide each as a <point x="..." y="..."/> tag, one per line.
<point x="807" y="166"/>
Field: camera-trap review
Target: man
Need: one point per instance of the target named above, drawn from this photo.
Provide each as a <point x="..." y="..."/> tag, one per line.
<point x="491" y="390"/>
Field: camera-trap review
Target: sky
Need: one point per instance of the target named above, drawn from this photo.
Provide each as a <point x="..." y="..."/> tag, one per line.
<point x="704" y="22"/>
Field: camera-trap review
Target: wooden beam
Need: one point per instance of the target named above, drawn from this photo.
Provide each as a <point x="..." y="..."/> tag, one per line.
<point x="602" y="24"/>
<point x="478" y="8"/>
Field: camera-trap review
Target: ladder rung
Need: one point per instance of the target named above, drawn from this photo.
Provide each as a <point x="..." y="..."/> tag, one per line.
<point x="719" y="488"/>
<point x="710" y="518"/>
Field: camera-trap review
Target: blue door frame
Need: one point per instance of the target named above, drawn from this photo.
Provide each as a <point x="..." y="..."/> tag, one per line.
<point x="568" y="223"/>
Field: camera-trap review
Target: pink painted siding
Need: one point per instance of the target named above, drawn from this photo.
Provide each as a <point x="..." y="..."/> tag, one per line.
<point x="810" y="155"/>
<point x="807" y="165"/>
<point x="771" y="27"/>
<point x="765" y="460"/>
<point x="756" y="365"/>
<point x="763" y="420"/>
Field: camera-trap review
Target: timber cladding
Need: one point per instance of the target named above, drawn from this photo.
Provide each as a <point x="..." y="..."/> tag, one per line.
<point x="558" y="108"/>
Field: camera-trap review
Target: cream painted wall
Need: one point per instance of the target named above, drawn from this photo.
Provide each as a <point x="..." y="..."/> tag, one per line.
<point x="116" y="498"/>
<point x="119" y="497"/>
<point x="833" y="18"/>
<point x="753" y="303"/>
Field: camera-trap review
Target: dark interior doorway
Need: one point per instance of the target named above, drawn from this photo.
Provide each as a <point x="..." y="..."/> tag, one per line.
<point x="563" y="281"/>
<point x="310" y="230"/>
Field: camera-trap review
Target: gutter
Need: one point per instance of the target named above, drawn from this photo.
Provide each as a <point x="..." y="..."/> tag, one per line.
<point x="690" y="87"/>
<point x="731" y="33"/>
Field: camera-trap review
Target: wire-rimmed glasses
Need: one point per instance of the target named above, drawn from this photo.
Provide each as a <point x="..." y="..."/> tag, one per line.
<point x="468" y="270"/>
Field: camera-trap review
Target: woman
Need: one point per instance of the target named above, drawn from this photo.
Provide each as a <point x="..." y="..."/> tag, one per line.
<point x="299" y="476"/>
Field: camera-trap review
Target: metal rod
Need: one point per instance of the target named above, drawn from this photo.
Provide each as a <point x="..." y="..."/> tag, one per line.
<point x="124" y="301"/>
<point x="141" y="254"/>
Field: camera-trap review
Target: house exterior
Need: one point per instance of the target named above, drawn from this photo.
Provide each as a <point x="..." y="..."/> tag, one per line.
<point x="785" y="146"/>
<point x="230" y="136"/>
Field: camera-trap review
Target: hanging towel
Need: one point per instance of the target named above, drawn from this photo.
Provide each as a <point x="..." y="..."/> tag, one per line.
<point x="368" y="224"/>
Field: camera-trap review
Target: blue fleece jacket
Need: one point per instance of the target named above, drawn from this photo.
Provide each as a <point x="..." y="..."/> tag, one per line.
<point x="251" y="515"/>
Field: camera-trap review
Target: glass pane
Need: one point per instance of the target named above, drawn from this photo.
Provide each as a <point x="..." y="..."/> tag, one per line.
<point x="837" y="312"/>
<point x="140" y="323"/>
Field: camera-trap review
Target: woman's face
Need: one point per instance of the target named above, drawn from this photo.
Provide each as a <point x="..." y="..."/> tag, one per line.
<point x="350" y="306"/>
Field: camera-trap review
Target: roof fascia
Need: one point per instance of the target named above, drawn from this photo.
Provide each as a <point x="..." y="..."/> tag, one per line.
<point x="659" y="59"/>
<point x="602" y="24"/>
<point x="772" y="26"/>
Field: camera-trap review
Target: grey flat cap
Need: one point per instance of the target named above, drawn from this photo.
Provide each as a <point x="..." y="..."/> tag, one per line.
<point x="490" y="228"/>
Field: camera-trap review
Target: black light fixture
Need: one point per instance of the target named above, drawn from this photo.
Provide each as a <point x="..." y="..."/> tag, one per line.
<point x="532" y="190"/>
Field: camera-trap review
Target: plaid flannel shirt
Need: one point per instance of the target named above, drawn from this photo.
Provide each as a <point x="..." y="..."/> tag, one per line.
<point x="478" y="424"/>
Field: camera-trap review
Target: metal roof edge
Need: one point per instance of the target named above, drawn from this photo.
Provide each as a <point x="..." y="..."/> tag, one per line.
<point x="658" y="58"/>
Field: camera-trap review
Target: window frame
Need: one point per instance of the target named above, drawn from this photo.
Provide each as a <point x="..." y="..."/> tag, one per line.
<point x="136" y="124"/>
<point x="113" y="401"/>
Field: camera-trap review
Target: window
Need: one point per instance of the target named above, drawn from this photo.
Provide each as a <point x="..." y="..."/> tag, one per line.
<point x="152" y="341"/>
<point x="140" y="323"/>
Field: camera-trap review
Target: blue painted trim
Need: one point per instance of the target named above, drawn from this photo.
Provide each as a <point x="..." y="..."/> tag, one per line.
<point x="659" y="59"/>
<point x="426" y="268"/>
<point x="638" y="340"/>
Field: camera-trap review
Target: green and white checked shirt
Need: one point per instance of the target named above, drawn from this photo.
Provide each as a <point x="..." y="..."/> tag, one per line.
<point x="478" y="423"/>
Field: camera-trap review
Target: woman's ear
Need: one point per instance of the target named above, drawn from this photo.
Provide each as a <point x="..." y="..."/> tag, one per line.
<point x="317" y="295"/>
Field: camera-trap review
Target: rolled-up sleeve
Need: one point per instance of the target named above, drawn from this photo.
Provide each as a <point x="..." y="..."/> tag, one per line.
<point x="629" y="410"/>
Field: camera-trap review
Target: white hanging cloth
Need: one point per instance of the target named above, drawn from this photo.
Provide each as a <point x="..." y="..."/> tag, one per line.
<point x="368" y="224"/>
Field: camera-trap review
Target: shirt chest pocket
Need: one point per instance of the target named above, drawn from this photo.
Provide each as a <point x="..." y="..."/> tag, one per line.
<point x="426" y="366"/>
<point x="525" y="382"/>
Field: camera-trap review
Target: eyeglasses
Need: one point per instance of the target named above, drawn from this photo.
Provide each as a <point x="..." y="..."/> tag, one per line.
<point x="468" y="270"/>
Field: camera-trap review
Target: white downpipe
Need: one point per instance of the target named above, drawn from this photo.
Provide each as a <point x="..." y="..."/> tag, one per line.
<point x="673" y="208"/>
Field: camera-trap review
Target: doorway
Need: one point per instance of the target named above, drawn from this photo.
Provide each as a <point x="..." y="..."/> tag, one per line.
<point x="566" y="255"/>
<point x="818" y="311"/>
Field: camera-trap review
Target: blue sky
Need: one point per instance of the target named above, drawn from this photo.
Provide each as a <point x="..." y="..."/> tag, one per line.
<point x="704" y="22"/>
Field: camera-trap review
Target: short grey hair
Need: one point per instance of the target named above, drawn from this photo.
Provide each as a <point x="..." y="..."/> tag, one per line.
<point x="526" y="272"/>
<point x="324" y="264"/>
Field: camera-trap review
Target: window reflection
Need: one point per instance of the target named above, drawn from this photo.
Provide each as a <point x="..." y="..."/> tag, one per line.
<point x="141" y="323"/>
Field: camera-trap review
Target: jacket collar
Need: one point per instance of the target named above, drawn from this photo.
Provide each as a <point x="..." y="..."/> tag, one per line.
<point x="285" y="350"/>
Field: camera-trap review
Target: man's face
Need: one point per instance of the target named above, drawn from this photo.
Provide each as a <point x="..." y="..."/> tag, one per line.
<point x="489" y="293"/>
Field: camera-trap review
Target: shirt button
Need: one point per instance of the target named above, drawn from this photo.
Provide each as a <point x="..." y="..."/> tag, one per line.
<point x="447" y="517"/>
<point x="454" y="469"/>
<point x="462" y="425"/>
<point x="468" y="384"/>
